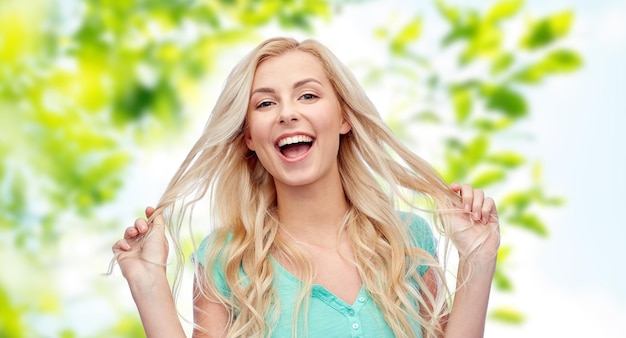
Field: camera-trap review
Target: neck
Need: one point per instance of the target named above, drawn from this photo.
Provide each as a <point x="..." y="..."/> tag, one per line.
<point x="312" y="213"/>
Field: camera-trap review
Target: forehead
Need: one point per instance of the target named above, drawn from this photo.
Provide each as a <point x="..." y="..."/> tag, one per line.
<point x="289" y="67"/>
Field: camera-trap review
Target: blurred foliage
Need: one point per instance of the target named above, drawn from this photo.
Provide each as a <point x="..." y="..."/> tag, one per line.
<point x="508" y="315"/>
<point x="484" y="87"/>
<point x="79" y="82"/>
<point x="87" y="74"/>
<point x="82" y="80"/>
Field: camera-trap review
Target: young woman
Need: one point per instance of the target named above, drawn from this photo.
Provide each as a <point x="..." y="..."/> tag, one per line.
<point x="315" y="204"/>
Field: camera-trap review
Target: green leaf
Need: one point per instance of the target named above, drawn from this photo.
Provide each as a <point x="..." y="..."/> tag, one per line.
<point x="517" y="201"/>
<point x="507" y="101"/>
<point x="557" y="61"/>
<point x="491" y="125"/>
<point x="456" y="167"/>
<point x="537" y="171"/>
<point x="562" y="61"/>
<point x="11" y="322"/>
<point x="507" y="315"/>
<point x="501" y="63"/>
<point x="127" y="326"/>
<point x="504" y="252"/>
<point x="206" y="14"/>
<point x="457" y="33"/>
<point x="295" y="20"/>
<point x="462" y="101"/>
<point x="259" y="13"/>
<point x="501" y="281"/>
<point x="503" y="10"/>
<point x="547" y="30"/>
<point x="408" y="34"/>
<point x="454" y="144"/>
<point x="508" y="159"/>
<point x="476" y="149"/>
<point x="483" y="40"/>
<point x="553" y="201"/>
<point x="488" y="177"/>
<point x="133" y="103"/>
<point x="529" y="222"/>
<point x="449" y="13"/>
<point x="67" y="334"/>
<point x="427" y="116"/>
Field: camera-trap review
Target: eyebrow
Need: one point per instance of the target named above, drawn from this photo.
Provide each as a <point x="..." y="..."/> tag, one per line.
<point x="295" y="85"/>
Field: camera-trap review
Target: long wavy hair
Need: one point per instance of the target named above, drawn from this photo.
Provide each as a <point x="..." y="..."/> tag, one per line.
<point x="379" y="175"/>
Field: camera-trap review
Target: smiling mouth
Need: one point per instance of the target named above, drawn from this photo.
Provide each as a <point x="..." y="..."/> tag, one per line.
<point x="295" y="146"/>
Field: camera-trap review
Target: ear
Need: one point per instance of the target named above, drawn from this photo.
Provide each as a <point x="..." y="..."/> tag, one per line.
<point x="345" y="126"/>
<point x="249" y="141"/>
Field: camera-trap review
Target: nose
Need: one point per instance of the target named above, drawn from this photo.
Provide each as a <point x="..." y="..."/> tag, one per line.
<point x="287" y="114"/>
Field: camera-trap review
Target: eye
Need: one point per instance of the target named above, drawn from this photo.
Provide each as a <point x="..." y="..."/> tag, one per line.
<point x="308" y="96"/>
<point x="264" y="104"/>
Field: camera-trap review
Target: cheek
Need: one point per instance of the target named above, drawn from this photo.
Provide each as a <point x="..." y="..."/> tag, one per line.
<point x="256" y="133"/>
<point x="335" y="119"/>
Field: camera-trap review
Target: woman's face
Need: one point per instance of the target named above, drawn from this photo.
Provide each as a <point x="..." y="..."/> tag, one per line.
<point x="295" y="120"/>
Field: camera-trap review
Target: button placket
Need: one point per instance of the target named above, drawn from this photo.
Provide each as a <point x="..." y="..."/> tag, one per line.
<point x="357" y="329"/>
<point x="353" y="315"/>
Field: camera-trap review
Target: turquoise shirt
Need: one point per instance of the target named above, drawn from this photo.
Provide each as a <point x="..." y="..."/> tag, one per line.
<point x="328" y="315"/>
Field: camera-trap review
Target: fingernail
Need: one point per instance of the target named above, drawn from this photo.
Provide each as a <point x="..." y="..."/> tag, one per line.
<point x="467" y="207"/>
<point x="476" y="216"/>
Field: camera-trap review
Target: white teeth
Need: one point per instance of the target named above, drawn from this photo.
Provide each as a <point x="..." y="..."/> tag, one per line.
<point x="294" y="139"/>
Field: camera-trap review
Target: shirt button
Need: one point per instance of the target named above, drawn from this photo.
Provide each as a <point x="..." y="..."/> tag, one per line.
<point x="362" y="299"/>
<point x="355" y="326"/>
<point x="350" y="312"/>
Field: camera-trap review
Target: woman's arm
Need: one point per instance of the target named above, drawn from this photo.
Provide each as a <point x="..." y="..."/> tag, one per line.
<point x="475" y="274"/>
<point x="156" y="308"/>
<point x="469" y="310"/>
<point x="142" y="255"/>
<point x="210" y="317"/>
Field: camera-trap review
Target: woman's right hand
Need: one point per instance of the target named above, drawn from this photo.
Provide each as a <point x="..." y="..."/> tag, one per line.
<point x="142" y="253"/>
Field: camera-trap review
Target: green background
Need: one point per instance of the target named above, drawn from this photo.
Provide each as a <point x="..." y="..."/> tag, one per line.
<point x="100" y="100"/>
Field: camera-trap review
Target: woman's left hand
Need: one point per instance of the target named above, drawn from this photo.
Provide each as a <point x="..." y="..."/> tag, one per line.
<point x="478" y="226"/>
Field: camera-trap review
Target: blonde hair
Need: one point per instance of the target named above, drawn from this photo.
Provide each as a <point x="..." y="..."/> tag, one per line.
<point x="378" y="174"/>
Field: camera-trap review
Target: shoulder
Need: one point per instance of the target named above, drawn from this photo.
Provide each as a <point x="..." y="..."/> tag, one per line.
<point x="420" y="231"/>
<point x="209" y="255"/>
<point x="217" y="239"/>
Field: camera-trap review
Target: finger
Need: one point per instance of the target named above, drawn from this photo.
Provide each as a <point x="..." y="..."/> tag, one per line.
<point x="467" y="196"/>
<point x="456" y="187"/>
<point x="149" y="211"/>
<point x="141" y="225"/>
<point x="489" y="211"/>
<point x="131" y="233"/>
<point x="122" y="245"/>
<point x="159" y="223"/>
<point x="477" y="204"/>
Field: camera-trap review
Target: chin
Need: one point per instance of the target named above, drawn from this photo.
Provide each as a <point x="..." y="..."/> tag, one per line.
<point x="295" y="181"/>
